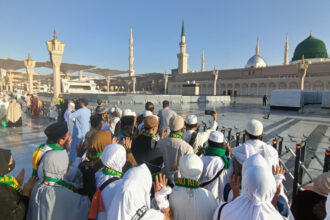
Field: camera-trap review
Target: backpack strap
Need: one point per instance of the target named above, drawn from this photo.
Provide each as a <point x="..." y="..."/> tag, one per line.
<point x="140" y="213"/>
<point x="193" y="138"/>
<point x="106" y="183"/>
<point x="214" y="178"/>
<point x="221" y="207"/>
<point x="226" y="192"/>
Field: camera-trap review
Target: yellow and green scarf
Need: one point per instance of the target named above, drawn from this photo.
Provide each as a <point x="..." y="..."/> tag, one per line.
<point x="10" y="181"/>
<point x="175" y="135"/>
<point x="147" y="133"/>
<point x="188" y="183"/>
<point x="37" y="156"/>
<point x="111" y="172"/>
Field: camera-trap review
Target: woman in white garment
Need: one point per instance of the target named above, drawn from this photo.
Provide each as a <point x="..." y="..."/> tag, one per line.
<point x="131" y="199"/>
<point x="188" y="200"/>
<point x="53" y="198"/>
<point x="257" y="195"/>
<point x="113" y="159"/>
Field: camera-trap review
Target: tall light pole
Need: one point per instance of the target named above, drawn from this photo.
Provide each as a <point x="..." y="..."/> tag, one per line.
<point x="302" y="70"/>
<point x="215" y="74"/>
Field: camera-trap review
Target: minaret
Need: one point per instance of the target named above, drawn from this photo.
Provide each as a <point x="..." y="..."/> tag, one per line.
<point x="29" y="65"/>
<point x="131" y="56"/>
<point x="131" y="61"/>
<point x="286" y="51"/>
<point x="257" y="47"/>
<point x="183" y="56"/>
<point x="202" y="66"/>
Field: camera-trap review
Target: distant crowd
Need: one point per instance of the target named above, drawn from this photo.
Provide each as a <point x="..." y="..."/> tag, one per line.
<point x="117" y="164"/>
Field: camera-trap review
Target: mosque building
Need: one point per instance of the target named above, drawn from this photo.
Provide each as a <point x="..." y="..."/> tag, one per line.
<point x="256" y="78"/>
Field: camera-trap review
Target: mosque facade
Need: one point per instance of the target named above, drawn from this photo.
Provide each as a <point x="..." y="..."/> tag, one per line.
<point x="256" y="78"/>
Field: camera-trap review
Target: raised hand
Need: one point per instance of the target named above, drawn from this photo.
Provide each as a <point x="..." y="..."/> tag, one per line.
<point x="115" y="140"/>
<point x="278" y="170"/>
<point x="127" y="143"/>
<point x="160" y="182"/>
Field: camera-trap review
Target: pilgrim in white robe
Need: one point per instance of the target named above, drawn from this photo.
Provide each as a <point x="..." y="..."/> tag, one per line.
<point x="191" y="203"/>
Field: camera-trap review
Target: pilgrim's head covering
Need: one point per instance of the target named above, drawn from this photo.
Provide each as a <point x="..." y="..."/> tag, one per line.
<point x="254" y="160"/>
<point x="55" y="164"/>
<point x="100" y="140"/>
<point x="114" y="156"/>
<point x="56" y="130"/>
<point x="191" y="120"/>
<point x="254" y="127"/>
<point x="132" y="193"/>
<point x="191" y="166"/>
<point x="217" y="137"/>
<point x="147" y="113"/>
<point x="176" y="123"/>
<point x="150" y="122"/>
<point x="4" y="160"/>
<point x="322" y="184"/>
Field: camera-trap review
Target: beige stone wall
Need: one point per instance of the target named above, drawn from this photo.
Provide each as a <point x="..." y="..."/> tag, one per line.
<point x="255" y="82"/>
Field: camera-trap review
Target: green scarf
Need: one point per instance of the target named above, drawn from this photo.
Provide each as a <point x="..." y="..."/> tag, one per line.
<point x="188" y="183"/>
<point x="111" y="172"/>
<point x="10" y="181"/>
<point x="94" y="156"/>
<point x="54" y="147"/>
<point x="61" y="183"/>
<point x="147" y="133"/>
<point x="219" y="152"/>
<point x="175" y="135"/>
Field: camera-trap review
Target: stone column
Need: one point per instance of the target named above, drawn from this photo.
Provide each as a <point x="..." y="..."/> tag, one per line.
<point x="29" y="65"/>
<point x="215" y="74"/>
<point x="133" y="84"/>
<point x="10" y="82"/>
<point x="108" y="83"/>
<point x="3" y="78"/>
<point x="165" y="83"/>
<point x="56" y="50"/>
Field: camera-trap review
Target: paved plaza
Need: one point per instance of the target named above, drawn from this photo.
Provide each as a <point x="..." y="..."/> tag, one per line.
<point x="310" y="125"/>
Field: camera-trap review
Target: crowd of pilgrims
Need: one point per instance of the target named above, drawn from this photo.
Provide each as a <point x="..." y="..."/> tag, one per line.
<point x="114" y="164"/>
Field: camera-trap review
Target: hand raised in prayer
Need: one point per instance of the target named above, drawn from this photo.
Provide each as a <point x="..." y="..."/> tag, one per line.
<point x="127" y="143"/>
<point x="278" y="170"/>
<point x="228" y="150"/>
<point x="160" y="182"/>
<point x="28" y="186"/>
<point x="114" y="140"/>
<point x="81" y="148"/>
<point x="20" y="177"/>
<point x="67" y="144"/>
<point x="235" y="184"/>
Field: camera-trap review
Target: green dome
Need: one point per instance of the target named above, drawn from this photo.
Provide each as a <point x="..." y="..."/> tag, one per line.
<point x="310" y="48"/>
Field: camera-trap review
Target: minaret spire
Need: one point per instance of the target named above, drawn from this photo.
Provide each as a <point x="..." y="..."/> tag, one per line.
<point x="131" y="56"/>
<point x="286" y="51"/>
<point x="183" y="56"/>
<point x="202" y="66"/>
<point x="29" y="56"/>
<point x="257" y="47"/>
<point x="55" y="35"/>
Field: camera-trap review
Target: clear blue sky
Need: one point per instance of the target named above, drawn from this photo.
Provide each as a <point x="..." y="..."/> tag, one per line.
<point x="96" y="32"/>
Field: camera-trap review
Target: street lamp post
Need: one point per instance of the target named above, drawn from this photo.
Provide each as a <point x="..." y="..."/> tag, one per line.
<point x="215" y="74"/>
<point x="302" y="70"/>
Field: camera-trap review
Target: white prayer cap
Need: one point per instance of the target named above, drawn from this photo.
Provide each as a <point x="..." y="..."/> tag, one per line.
<point x="254" y="127"/>
<point x="191" y="166"/>
<point x="217" y="137"/>
<point x="128" y="112"/>
<point x="112" y="110"/>
<point x="72" y="104"/>
<point x="147" y="113"/>
<point x="114" y="156"/>
<point x="134" y="114"/>
<point x="191" y="119"/>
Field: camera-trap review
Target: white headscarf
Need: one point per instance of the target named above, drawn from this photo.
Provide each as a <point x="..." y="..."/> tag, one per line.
<point x="14" y="111"/>
<point x="114" y="157"/>
<point x="192" y="203"/>
<point x="258" y="189"/>
<point x="132" y="194"/>
<point x="55" y="164"/>
<point x="251" y="147"/>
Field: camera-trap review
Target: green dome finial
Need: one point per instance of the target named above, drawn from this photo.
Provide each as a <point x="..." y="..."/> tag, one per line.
<point x="311" y="48"/>
<point x="183" y="32"/>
